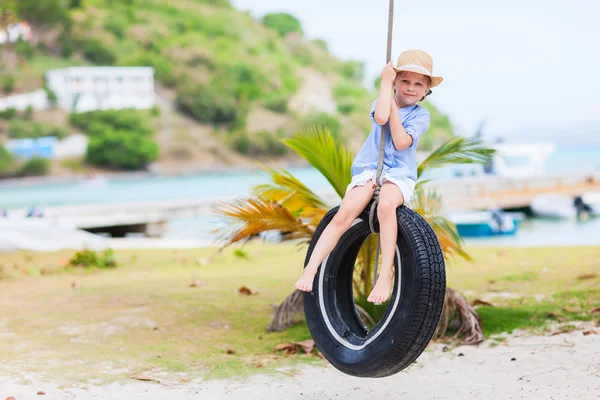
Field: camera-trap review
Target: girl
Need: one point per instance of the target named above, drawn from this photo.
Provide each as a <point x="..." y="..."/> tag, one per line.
<point x="411" y="82"/>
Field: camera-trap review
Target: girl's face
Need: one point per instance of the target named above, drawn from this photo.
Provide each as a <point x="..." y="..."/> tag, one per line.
<point x="410" y="88"/>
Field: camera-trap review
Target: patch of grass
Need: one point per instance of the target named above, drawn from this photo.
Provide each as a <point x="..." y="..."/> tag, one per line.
<point x="525" y="276"/>
<point x="73" y="164"/>
<point x="145" y="315"/>
<point x="497" y="320"/>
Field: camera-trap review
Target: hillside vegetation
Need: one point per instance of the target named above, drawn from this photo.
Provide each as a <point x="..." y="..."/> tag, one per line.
<point x="229" y="86"/>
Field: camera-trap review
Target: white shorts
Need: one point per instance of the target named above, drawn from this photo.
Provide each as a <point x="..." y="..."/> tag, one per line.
<point x="407" y="186"/>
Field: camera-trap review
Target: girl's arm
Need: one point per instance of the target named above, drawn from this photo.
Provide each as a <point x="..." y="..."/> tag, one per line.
<point x="400" y="138"/>
<point x="382" y="108"/>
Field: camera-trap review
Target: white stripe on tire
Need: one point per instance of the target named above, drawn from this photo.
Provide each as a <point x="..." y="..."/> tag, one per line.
<point x="340" y="339"/>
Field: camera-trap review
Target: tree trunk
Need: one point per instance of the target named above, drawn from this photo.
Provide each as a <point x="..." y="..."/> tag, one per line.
<point x="457" y="314"/>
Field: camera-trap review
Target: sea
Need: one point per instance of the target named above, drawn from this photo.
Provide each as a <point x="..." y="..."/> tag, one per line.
<point x="238" y="183"/>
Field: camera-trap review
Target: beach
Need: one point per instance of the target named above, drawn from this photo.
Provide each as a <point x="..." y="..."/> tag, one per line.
<point x="524" y="366"/>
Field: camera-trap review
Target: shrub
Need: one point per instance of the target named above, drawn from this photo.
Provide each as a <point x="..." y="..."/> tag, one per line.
<point x="20" y="129"/>
<point x="163" y="67"/>
<point x="353" y="70"/>
<point x="25" y="48"/>
<point x="97" y="52"/>
<point x="52" y="99"/>
<point x="97" y="122"/>
<point x="121" y="150"/>
<point x="7" y="82"/>
<point x="6" y="160"/>
<point x="322" y="119"/>
<point x="28" y="113"/>
<point x="89" y="258"/>
<point x="117" y="24"/>
<point x="203" y="104"/>
<point x="276" y="102"/>
<point x="8" y="114"/>
<point x="347" y="107"/>
<point x="35" y="167"/>
<point x="282" y="23"/>
<point x="263" y="143"/>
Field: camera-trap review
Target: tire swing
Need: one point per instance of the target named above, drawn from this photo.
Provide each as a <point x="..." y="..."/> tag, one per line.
<point x="414" y="307"/>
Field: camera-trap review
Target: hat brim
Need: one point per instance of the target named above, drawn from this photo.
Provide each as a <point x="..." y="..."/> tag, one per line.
<point x="435" y="80"/>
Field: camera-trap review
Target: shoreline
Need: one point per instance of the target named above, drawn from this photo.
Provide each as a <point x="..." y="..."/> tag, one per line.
<point x="125" y="175"/>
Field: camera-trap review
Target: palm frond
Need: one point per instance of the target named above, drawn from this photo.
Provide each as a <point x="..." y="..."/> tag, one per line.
<point x="319" y="148"/>
<point x="287" y="190"/>
<point x="457" y="150"/>
<point x="460" y="315"/>
<point x="252" y="217"/>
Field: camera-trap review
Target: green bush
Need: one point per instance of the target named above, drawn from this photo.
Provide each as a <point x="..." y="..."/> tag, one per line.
<point x="8" y="114"/>
<point x="322" y="119"/>
<point x="203" y="104"/>
<point x="263" y="143"/>
<point x="97" y="122"/>
<point x="35" y="167"/>
<point x="89" y="258"/>
<point x="7" y="82"/>
<point x="117" y="24"/>
<point x="353" y="70"/>
<point x="6" y="160"/>
<point x="345" y="90"/>
<point x="28" y="113"/>
<point x="25" y="49"/>
<point x="20" y="129"/>
<point x="247" y="82"/>
<point x="350" y="96"/>
<point x="321" y="44"/>
<point x="52" y="99"/>
<point x="347" y="107"/>
<point x="282" y="23"/>
<point x="121" y="150"/>
<point x="163" y="66"/>
<point x="276" y="102"/>
<point x="98" y="52"/>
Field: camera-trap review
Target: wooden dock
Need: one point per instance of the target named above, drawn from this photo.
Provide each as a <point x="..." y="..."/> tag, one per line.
<point x="480" y="193"/>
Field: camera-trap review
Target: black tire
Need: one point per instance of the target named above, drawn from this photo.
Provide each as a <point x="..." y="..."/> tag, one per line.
<point x="414" y="309"/>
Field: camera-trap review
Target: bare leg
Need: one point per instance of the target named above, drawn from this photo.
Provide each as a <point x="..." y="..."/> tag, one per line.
<point x="390" y="198"/>
<point x="352" y="205"/>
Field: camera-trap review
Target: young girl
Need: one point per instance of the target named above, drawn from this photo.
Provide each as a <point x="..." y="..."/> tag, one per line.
<point x="411" y="81"/>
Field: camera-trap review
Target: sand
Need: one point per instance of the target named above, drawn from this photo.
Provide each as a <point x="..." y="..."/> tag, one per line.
<point x="525" y="366"/>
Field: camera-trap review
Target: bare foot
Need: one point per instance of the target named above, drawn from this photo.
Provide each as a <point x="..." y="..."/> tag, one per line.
<point x="383" y="286"/>
<point x="305" y="283"/>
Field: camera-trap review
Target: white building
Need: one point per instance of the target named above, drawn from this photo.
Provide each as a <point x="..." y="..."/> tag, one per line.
<point x="81" y="89"/>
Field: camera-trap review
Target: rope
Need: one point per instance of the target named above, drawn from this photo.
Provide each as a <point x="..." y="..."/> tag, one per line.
<point x="377" y="187"/>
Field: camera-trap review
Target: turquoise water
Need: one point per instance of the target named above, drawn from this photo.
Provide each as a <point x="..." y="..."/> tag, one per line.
<point x="227" y="184"/>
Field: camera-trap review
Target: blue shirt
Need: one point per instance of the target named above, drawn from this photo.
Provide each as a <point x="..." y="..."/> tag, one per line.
<point x="400" y="164"/>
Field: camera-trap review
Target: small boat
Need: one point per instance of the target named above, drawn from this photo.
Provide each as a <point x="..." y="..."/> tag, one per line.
<point x="592" y="199"/>
<point x="486" y="223"/>
<point x="94" y="181"/>
<point x="561" y="206"/>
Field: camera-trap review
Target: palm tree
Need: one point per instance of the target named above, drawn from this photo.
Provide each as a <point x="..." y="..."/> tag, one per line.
<point x="288" y="206"/>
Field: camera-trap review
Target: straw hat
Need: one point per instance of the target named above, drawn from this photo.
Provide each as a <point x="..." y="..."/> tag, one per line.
<point x="420" y="62"/>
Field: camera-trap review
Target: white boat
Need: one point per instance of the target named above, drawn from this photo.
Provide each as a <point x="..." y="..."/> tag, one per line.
<point x="486" y="223"/>
<point x="518" y="160"/>
<point x="593" y="200"/>
<point x="565" y="207"/>
<point x="39" y="234"/>
<point x="94" y="181"/>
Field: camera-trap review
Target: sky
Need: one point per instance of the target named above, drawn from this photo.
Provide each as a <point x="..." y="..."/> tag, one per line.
<point x="527" y="68"/>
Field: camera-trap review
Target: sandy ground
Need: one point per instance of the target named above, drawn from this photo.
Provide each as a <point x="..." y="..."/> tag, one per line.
<point x="564" y="366"/>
